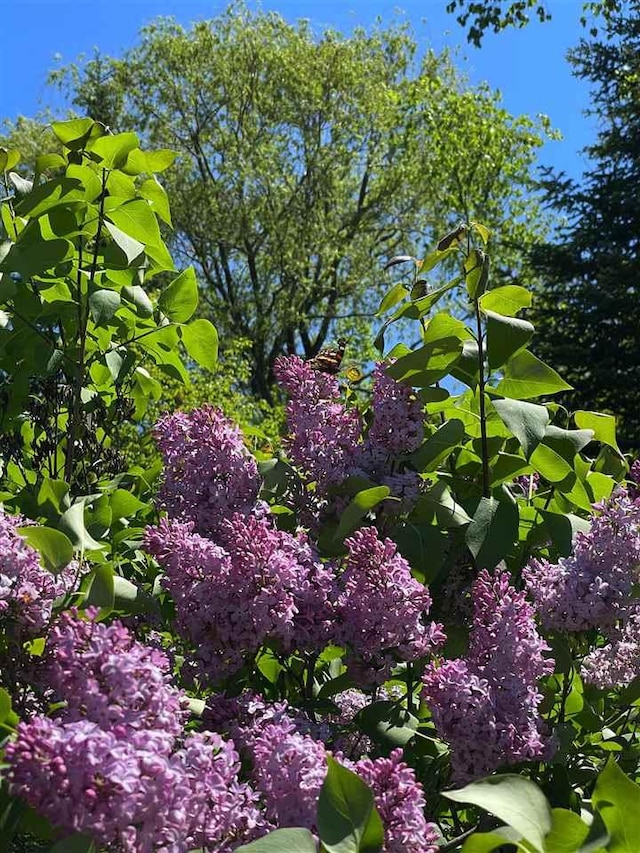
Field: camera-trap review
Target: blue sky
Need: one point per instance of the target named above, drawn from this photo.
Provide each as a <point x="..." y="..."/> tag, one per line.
<point x="528" y="66"/>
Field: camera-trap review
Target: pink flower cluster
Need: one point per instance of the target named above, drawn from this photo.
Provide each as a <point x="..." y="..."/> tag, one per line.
<point x="27" y="590"/>
<point x="486" y="706"/>
<point x="617" y="663"/>
<point x="592" y="587"/>
<point x="268" y="585"/>
<point x="208" y="472"/>
<point x="327" y="442"/>
<point x="115" y="765"/>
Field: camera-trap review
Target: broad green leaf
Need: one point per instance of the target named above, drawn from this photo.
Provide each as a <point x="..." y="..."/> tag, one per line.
<point x="416" y="310"/>
<point x="137" y="295"/>
<point x="200" y="339"/>
<point x="124" y="504"/>
<point x="282" y="841"/>
<point x="563" y="529"/>
<point x="136" y="218"/>
<point x="505" y="336"/>
<point x="358" y="507"/>
<point x="465" y="368"/>
<point x="568" y="831"/>
<point x="428" y="364"/>
<point x="75" y="133"/>
<point x="347" y="818"/>
<point x="443" y="326"/>
<point x="103" y="304"/>
<point x="423" y="546"/>
<point x="54" y="547"/>
<point x="154" y="192"/>
<point x="72" y="523"/>
<point x="179" y="299"/>
<point x="130" y="598"/>
<point x="448" y="512"/>
<point x="5" y="705"/>
<point x="603" y="426"/>
<point x="99" y="588"/>
<point x="575" y="490"/>
<point x="438" y="446"/>
<point x="567" y="442"/>
<point x="132" y="248"/>
<point x="9" y="159"/>
<point x="33" y="258"/>
<point x="396" y="294"/>
<point x="492" y="532"/>
<point x="527" y="421"/>
<point x="513" y="799"/>
<point x="45" y="162"/>
<point x="505" y="467"/>
<point x="617" y="799"/>
<point x="550" y="464"/>
<point x="388" y="723"/>
<point x="112" y="150"/>
<point x="507" y="300"/>
<point x="476" y="273"/>
<point x="485" y="842"/>
<point x="525" y="376"/>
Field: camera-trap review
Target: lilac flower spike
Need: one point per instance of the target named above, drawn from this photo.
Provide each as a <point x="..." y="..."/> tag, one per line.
<point x="486" y="706"/>
<point x="208" y="472"/>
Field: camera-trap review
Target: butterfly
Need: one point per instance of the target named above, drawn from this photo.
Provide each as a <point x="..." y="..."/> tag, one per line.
<point x="329" y="360"/>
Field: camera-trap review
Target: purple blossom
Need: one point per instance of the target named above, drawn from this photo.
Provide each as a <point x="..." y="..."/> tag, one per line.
<point x="288" y="770"/>
<point x="399" y="799"/>
<point x="590" y="588"/>
<point x="398" y="421"/>
<point x="617" y="663"/>
<point x="125" y="794"/>
<point x="267" y="584"/>
<point x="27" y="590"/>
<point x="107" y="677"/>
<point x="382" y="608"/>
<point x="486" y="706"/>
<point x="208" y="472"/>
<point x="323" y="433"/>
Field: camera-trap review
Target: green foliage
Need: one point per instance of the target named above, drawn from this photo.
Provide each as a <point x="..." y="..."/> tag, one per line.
<point x="305" y="159"/>
<point x="587" y="312"/>
<point x="80" y="251"/>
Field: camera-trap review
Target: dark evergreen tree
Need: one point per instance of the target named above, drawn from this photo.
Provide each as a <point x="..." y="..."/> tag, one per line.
<point x="588" y="313"/>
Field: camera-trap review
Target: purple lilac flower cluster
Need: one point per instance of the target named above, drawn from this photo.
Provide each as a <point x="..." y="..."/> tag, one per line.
<point x="591" y="588"/>
<point x="263" y="584"/>
<point x="381" y="608"/>
<point x="486" y="706"/>
<point x="326" y="439"/>
<point x="27" y="590"/>
<point x="208" y="472"/>
<point x="617" y="663"/>
<point x="114" y="765"/>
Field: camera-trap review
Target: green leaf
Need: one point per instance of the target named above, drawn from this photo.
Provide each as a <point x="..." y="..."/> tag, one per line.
<point x="525" y="376"/>
<point x="123" y="504"/>
<point x="485" y="842"/>
<point x="567" y="442"/>
<point x="507" y="300"/>
<point x="527" y="421"/>
<point x="492" y="532"/>
<point x="563" y="529"/>
<point x="137" y="219"/>
<point x="130" y="598"/>
<point x="396" y="294"/>
<point x="347" y="819"/>
<point x="113" y="150"/>
<point x="448" y="512"/>
<point x="513" y="799"/>
<point x="137" y="295"/>
<point x="200" y="339"/>
<point x="179" y="300"/>
<point x="438" y="446"/>
<point x="9" y="159"/>
<point x="33" y="258"/>
<point x="603" y="426"/>
<point x="358" y="507"/>
<point x="617" y="799"/>
<point x="550" y="464"/>
<point x="387" y="723"/>
<point x="505" y="337"/>
<point x="282" y="841"/>
<point x="54" y="547"/>
<point x="5" y="704"/>
<point x="74" y="133"/>
<point x="568" y="831"/>
<point x="476" y="273"/>
<point x="72" y="523"/>
<point x="103" y="304"/>
<point x="154" y="192"/>
<point x="428" y="364"/>
<point x="99" y="588"/>
<point x="132" y="248"/>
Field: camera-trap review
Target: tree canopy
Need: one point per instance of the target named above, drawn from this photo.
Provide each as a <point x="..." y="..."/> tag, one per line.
<point x="306" y="161"/>
<point x="589" y="313"/>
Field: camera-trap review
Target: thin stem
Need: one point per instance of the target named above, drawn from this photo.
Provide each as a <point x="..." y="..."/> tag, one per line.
<point x="483" y="418"/>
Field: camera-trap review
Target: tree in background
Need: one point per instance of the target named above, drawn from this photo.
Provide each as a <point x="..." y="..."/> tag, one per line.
<point x="588" y="315"/>
<point x="307" y="161"/>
